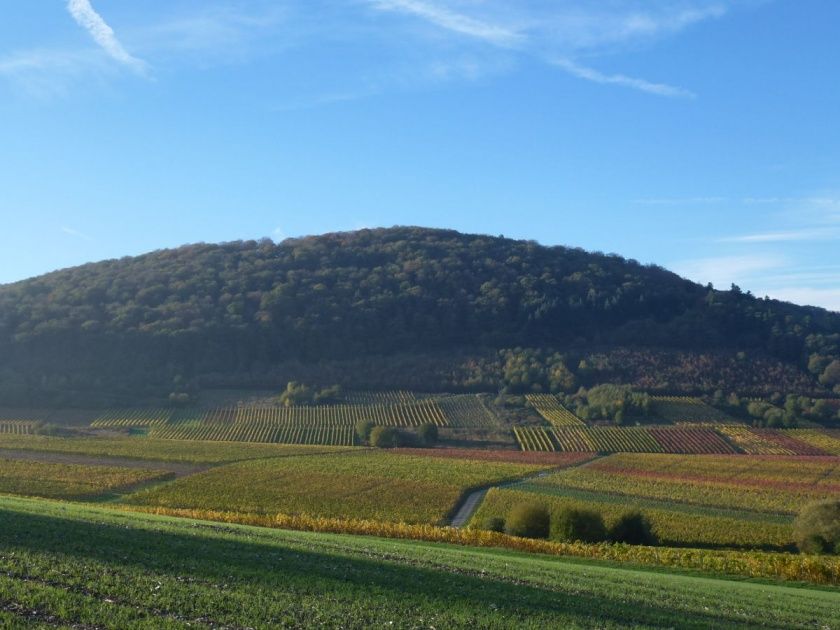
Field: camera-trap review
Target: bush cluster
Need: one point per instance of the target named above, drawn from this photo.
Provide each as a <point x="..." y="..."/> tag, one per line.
<point x="817" y="528"/>
<point x="368" y="432"/>
<point x="533" y="520"/>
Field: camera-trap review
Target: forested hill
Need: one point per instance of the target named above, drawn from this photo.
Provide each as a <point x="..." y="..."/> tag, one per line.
<point x="240" y="309"/>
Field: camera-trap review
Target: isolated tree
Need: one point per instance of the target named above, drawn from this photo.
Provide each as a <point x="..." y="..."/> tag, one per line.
<point x="428" y="434"/>
<point x="632" y="528"/>
<point x="385" y="437"/>
<point x="572" y="524"/>
<point x="363" y="430"/>
<point x="817" y="527"/>
<point x="528" y="520"/>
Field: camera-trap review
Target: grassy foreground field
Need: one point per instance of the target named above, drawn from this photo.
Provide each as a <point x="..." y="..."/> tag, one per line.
<point x="64" y="565"/>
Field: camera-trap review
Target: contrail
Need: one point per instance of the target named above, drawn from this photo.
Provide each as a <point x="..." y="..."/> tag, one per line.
<point x="102" y="34"/>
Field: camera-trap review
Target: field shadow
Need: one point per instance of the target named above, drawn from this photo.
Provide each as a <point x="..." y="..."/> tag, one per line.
<point x="340" y="575"/>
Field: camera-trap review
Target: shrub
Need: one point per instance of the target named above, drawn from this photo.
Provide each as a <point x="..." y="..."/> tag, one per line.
<point x="428" y="434"/>
<point x="494" y="524"/>
<point x="817" y="528"/>
<point x="528" y="520"/>
<point x="633" y="528"/>
<point x="385" y="437"/>
<point x="578" y="525"/>
<point x="363" y="430"/>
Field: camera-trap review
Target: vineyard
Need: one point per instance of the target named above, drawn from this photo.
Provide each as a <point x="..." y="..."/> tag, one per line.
<point x="753" y="442"/>
<point x="773" y="485"/>
<point x="16" y="427"/>
<point x="257" y="432"/>
<point x="118" y="418"/>
<point x="827" y="440"/>
<point x="68" y="481"/>
<point x="327" y="424"/>
<point x="709" y="440"/>
<point x="686" y="409"/>
<point x="536" y="439"/>
<point x="466" y="412"/>
<point x="358" y="484"/>
<point x="148" y="448"/>
<point x="553" y="411"/>
<point x="391" y="397"/>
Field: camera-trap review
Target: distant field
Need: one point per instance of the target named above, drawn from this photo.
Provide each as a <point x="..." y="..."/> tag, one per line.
<point x="76" y="566"/>
<point x="695" y="439"/>
<point x="776" y="485"/>
<point x="195" y="452"/>
<point x="69" y="481"/>
<point x="674" y="524"/>
<point x="827" y="440"/>
<point x="553" y="411"/>
<point x="706" y="501"/>
<point x="368" y="485"/>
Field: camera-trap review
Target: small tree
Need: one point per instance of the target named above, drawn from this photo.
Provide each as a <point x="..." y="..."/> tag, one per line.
<point x="831" y="375"/>
<point x="385" y="437"/>
<point x="633" y="528"/>
<point x="296" y="394"/>
<point x="528" y="520"/>
<point x="817" y="528"/>
<point x="428" y="434"/>
<point x="573" y="524"/>
<point x="363" y="429"/>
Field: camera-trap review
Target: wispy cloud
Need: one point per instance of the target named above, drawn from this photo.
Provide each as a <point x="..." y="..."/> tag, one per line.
<point x="450" y="20"/>
<point x="559" y="33"/>
<point x="813" y="234"/>
<point x="660" y="89"/>
<point x="102" y="34"/>
<point x="72" y="232"/>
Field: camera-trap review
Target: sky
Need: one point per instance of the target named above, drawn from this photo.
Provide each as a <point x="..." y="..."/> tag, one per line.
<point x="701" y="135"/>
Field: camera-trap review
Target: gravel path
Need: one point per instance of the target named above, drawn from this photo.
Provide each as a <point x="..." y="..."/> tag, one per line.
<point x="469" y="504"/>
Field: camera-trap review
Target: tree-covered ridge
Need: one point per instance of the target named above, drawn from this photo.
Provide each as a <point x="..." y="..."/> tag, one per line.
<point x="243" y="307"/>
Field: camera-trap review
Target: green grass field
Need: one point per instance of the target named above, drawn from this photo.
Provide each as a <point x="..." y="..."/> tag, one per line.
<point x="64" y="565"/>
<point x="360" y="484"/>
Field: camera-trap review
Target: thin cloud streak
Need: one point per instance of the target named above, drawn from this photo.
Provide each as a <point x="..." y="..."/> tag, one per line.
<point x="102" y="34"/>
<point x="816" y="234"/>
<point x="659" y="89"/>
<point x="452" y="21"/>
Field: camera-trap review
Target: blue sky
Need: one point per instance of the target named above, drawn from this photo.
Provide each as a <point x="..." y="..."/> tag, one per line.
<point x="702" y="135"/>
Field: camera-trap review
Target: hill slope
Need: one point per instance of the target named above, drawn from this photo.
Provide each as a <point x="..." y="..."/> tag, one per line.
<point x="232" y="313"/>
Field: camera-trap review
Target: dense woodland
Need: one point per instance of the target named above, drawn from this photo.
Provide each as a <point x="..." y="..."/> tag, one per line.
<point x="400" y="307"/>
